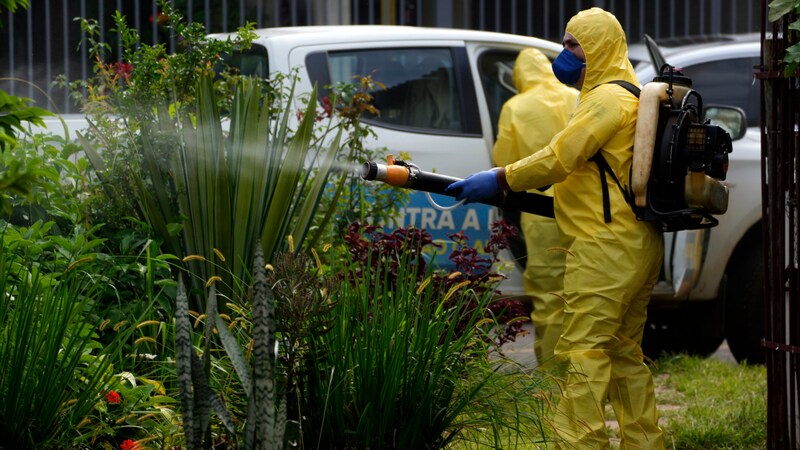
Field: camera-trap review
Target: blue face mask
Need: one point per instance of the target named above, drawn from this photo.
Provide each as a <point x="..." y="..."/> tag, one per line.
<point x="567" y="67"/>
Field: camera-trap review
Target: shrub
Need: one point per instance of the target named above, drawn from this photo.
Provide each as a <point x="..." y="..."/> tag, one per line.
<point x="52" y="368"/>
<point x="395" y="355"/>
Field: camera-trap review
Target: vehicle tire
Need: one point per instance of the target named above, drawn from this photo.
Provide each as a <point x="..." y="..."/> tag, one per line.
<point x="744" y="322"/>
<point x="693" y="328"/>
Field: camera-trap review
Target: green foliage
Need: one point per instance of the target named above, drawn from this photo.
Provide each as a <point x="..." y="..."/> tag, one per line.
<point x="55" y="183"/>
<point x="723" y="405"/>
<point x="148" y="76"/>
<point x="266" y="407"/>
<point x="138" y="284"/>
<point x="212" y="159"/>
<point x="777" y="10"/>
<point x="17" y="177"/>
<point x="52" y="369"/>
<point x="12" y="5"/>
<point x="265" y="410"/>
<point x="65" y="202"/>
<point x="133" y="410"/>
<point x="399" y="363"/>
<point x="14" y="112"/>
<point x="124" y="97"/>
<point x="197" y="398"/>
<point x="383" y="361"/>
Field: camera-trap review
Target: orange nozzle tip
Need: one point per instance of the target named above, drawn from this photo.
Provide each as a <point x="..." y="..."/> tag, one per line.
<point x="396" y="176"/>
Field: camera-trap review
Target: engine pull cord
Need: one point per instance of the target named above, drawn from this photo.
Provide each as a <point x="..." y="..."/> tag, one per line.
<point x="440" y="207"/>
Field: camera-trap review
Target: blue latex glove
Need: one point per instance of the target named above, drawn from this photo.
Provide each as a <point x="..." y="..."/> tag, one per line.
<point x="476" y="187"/>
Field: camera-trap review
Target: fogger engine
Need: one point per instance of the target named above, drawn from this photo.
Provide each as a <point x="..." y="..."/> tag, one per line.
<point x="679" y="159"/>
<point x="402" y="174"/>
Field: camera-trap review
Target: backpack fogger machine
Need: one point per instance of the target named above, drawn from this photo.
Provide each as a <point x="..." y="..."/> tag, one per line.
<point x="399" y="173"/>
<point x="679" y="159"/>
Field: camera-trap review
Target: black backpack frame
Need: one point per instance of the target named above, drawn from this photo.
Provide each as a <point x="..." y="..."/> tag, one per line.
<point x="674" y="155"/>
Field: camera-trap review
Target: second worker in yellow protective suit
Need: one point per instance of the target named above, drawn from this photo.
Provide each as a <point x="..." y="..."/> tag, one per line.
<point x="527" y="122"/>
<point x="611" y="265"/>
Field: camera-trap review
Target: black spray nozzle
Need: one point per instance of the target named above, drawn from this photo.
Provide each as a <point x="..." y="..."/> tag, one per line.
<point x="369" y="170"/>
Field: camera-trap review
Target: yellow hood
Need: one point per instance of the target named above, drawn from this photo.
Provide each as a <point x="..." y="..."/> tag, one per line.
<point x="603" y="43"/>
<point x="531" y="69"/>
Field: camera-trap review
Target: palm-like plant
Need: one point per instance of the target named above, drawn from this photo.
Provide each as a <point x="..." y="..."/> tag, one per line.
<point x="232" y="188"/>
<point x="209" y="174"/>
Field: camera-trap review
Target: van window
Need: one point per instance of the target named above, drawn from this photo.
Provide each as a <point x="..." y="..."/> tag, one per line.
<point x="496" y="68"/>
<point x="252" y="61"/>
<point x="729" y="82"/>
<point x="418" y="85"/>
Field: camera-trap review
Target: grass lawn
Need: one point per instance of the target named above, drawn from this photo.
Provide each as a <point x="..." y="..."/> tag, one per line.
<point x="706" y="403"/>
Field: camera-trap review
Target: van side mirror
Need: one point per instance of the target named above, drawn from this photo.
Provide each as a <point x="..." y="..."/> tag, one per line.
<point x="729" y="118"/>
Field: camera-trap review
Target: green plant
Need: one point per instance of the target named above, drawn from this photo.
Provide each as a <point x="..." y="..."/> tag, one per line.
<point x="266" y="411"/>
<point x="12" y="5"/>
<point x="132" y="410"/>
<point x="14" y="111"/>
<point x="711" y="404"/>
<point x="52" y="369"/>
<point x="57" y="214"/>
<point x="59" y="183"/>
<point x="39" y="181"/>
<point x="402" y="360"/>
<point x="207" y="188"/>
<point x="778" y="9"/>
<point x="140" y="285"/>
<point x="372" y="249"/>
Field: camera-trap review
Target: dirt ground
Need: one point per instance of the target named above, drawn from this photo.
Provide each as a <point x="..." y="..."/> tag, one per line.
<point x="522" y="349"/>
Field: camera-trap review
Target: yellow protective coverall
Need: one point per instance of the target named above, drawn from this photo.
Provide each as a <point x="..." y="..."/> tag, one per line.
<point x="527" y="122"/>
<point x="611" y="268"/>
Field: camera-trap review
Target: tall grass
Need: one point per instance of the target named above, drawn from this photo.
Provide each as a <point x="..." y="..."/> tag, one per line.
<point x="52" y="370"/>
<point x="404" y="365"/>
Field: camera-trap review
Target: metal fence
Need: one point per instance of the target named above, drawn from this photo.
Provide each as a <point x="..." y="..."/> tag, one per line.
<point x="780" y="143"/>
<point x="44" y="41"/>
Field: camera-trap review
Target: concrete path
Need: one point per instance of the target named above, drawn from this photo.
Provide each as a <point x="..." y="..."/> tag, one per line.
<point x="522" y="349"/>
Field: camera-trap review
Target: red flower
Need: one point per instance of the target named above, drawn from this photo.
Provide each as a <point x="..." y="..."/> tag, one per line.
<point x="123" y="69"/>
<point x="128" y="444"/>
<point x="326" y="106"/>
<point x="112" y="397"/>
<point x="159" y="18"/>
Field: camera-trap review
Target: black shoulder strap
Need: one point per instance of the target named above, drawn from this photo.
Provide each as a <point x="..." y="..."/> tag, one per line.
<point x="604" y="168"/>
<point x="630" y="87"/>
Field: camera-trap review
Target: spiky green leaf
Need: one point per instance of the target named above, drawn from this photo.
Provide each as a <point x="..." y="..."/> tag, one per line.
<point x="183" y="362"/>
<point x="229" y="341"/>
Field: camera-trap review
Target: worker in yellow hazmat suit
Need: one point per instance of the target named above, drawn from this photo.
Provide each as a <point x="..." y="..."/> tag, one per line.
<point x="527" y="122"/>
<point x="611" y="265"/>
